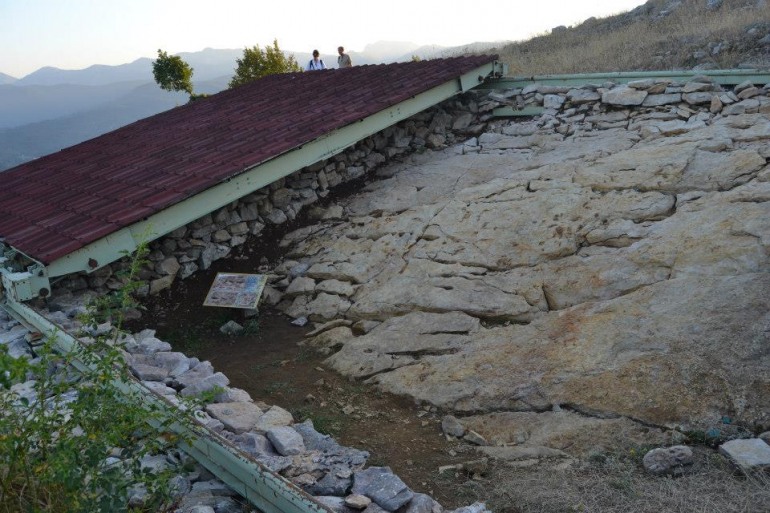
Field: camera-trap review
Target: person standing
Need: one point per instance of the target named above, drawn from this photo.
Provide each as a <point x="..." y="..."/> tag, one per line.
<point x="315" y="63"/>
<point x="343" y="61"/>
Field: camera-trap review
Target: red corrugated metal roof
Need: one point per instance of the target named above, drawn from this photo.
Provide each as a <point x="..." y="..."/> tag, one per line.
<point x="59" y="203"/>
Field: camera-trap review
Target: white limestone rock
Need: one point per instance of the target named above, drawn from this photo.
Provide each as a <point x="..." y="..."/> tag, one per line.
<point x="748" y="454"/>
<point x="237" y="417"/>
<point x="624" y="96"/>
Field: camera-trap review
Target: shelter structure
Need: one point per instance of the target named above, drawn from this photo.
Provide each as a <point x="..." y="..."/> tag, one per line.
<point x="88" y="205"/>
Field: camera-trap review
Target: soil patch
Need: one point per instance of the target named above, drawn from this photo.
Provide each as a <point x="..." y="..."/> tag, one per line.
<point x="271" y="362"/>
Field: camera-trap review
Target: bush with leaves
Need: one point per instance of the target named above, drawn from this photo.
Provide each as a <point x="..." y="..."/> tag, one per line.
<point x="73" y="440"/>
<point x="172" y="73"/>
<point x="257" y="63"/>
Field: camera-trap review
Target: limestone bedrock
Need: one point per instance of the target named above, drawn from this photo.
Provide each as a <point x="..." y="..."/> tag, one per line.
<point x="616" y="274"/>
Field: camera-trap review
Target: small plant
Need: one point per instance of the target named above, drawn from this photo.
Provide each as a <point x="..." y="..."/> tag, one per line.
<point x="187" y="340"/>
<point x="636" y="453"/>
<point x="325" y="423"/>
<point x="251" y="327"/>
<point x="279" y="387"/>
<point x="76" y="444"/>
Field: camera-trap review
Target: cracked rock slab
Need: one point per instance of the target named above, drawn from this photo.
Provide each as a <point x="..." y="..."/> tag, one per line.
<point x="383" y="487"/>
<point x="237" y="417"/>
<point x="620" y="275"/>
<point x="748" y="454"/>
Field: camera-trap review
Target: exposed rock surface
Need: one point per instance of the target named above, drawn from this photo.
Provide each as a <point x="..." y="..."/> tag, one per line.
<point x="597" y="275"/>
<point x="614" y="262"/>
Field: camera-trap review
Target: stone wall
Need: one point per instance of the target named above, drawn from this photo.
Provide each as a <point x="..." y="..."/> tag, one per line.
<point x="609" y="105"/>
<point x="194" y="247"/>
<point x="465" y="123"/>
<point x="335" y="475"/>
<point x="307" y="287"/>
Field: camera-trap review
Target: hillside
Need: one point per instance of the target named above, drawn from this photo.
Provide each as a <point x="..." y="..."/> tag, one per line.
<point x="573" y="290"/>
<point x="53" y="108"/>
<point x="34" y="103"/>
<point x="7" y="79"/>
<point x="41" y="113"/>
<point x="659" y="35"/>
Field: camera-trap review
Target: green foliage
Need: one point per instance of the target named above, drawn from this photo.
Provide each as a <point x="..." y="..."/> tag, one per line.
<point x="187" y="339"/>
<point x="279" y="387"/>
<point x="250" y="327"/>
<point x="172" y="73"/>
<point x="324" y="422"/>
<point x="74" y="441"/>
<point x="257" y="63"/>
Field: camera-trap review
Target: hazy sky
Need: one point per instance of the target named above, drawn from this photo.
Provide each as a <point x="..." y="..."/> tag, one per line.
<point x="74" y="34"/>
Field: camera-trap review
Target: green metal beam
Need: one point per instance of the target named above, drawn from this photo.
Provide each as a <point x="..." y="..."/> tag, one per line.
<point x="723" y="77"/>
<point x="263" y="488"/>
<point x="116" y="245"/>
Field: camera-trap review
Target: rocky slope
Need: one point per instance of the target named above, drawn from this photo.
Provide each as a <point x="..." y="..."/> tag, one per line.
<point x="657" y="35"/>
<point x="602" y="267"/>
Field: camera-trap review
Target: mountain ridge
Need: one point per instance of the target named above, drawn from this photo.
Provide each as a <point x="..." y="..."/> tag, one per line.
<point x="207" y="64"/>
<point x="727" y="33"/>
<point x="52" y="108"/>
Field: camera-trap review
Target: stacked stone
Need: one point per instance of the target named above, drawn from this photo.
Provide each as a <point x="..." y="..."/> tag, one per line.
<point x="213" y="236"/>
<point x="323" y="291"/>
<point x="190" y="489"/>
<point x="609" y="105"/>
<point x="335" y="475"/>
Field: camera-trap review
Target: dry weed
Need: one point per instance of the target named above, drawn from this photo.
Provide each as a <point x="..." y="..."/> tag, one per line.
<point x="622" y="486"/>
<point x="624" y="43"/>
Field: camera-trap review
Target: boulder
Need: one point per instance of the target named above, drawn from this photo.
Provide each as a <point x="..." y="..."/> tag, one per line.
<point x="668" y="460"/>
<point x="383" y="487"/>
<point x="237" y="417"/>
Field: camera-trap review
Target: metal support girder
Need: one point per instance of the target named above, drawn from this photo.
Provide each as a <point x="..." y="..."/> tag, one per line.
<point x="25" y="285"/>
<point x="262" y="487"/>
<point x="723" y="77"/>
<point x="114" y="246"/>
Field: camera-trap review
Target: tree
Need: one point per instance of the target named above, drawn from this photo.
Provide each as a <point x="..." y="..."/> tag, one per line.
<point x="257" y="63"/>
<point x="172" y="73"/>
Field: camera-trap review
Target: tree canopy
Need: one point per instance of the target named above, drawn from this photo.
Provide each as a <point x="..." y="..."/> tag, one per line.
<point x="257" y="63"/>
<point x="172" y="73"/>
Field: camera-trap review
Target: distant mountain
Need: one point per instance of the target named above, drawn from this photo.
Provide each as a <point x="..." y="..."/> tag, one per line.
<point x="52" y="108"/>
<point x="7" y="79"/>
<point x="23" y="105"/>
<point x="210" y="63"/>
<point x="207" y="64"/>
<point x="387" y="51"/>
<point x="96" y="75"/>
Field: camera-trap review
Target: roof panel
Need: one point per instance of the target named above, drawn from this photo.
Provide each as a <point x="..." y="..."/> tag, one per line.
<point x="56" y="204"/>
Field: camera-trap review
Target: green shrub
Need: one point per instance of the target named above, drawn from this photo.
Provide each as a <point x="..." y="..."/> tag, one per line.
<point x="73" y="441"/>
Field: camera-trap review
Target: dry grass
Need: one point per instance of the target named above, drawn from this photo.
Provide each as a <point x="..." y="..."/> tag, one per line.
<point x="625" y="43"/>
<point x="622" y="486"/>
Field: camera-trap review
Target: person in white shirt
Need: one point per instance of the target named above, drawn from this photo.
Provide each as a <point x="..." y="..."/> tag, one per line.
<point x="343" y="61"/>
<point x="315" y="63"/>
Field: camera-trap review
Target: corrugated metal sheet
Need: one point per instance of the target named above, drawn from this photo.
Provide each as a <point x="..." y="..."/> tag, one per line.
<point x="61" y="202"/>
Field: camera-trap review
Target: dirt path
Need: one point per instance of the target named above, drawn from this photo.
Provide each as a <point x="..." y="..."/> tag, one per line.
<point x="272" y="364"/>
